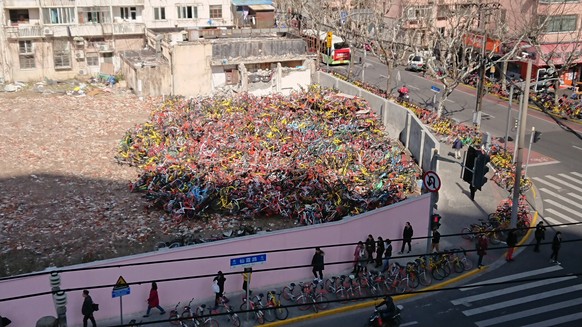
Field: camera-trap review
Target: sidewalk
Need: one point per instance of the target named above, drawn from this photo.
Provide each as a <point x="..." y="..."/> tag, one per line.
<point x="457" y="211"/>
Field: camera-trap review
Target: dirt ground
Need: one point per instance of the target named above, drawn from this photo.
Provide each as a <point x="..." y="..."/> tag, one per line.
<point x="63" y="198"/>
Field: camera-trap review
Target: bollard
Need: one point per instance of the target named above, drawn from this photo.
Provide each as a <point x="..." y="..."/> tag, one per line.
<point x="60" y="299"/>
<point x="47" y="321"/>
<point x="55" y="279"/>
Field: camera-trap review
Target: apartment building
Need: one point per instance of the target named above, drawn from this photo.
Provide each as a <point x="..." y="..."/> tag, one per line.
<point x="61" y="39"/>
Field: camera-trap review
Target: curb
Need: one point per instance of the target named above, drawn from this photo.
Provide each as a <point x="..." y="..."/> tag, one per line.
<point x="373" y="302"/>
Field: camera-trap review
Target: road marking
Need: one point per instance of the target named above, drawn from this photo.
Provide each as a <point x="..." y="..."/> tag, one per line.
<point x="571" y="178"/>
<point x="556" y="321"/>
<point x="409" y="324"/>
<point x="577" y="174"/>
<point x="522" y="300"/>
<point x="574" y="195"/>
<point x="537" y="179"/>
<point x="565" y="183"/>
<point x="528" y="313"/>
<point x="575" y="213"/>
<point x="577" y="147"/>
<point x="449" y="100"/>
<point x="513" y="277"/>
<point x="566" y="218"/>
<point x="574" y="203"/>
<point x="554" y="222"/>
<point x="414" y="87"/>
<point x="508" y="290"/>
<point x="544" y="163"/>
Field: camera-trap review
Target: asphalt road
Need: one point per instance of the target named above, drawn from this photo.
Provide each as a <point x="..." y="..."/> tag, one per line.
<point x="532" y="291"/>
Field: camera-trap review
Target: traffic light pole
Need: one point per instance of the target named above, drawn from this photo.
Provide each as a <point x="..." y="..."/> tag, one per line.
<point x="433" y="199"/>
<point x="508" y="118"/>
<point x="531" y="140"/>
<point x="518" y="161"/>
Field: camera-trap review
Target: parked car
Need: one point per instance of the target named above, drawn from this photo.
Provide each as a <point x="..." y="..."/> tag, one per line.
<point x="415" y="63"/>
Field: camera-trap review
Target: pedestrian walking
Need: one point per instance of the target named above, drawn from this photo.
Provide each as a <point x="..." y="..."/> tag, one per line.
<point x="540" y="234"/>
<point x="436" y="238"/>
<point x="511" y="242"/>
<point x="219" y="279"/>
<point x="379" y="252"/>
<point x="457" y="146"/>
<point x="154" y="301"/>
<point x="359" y="258"/>
<point x="387" y="255"/>
<point x="370" y="248"/>
<point x="407" y="237"/>
<point x="482" y="245"/>
<point x="87" y="309"/>
<point x="556" y="244"/>
<point x="318" y="264"/>
<point x="246" y="278"/>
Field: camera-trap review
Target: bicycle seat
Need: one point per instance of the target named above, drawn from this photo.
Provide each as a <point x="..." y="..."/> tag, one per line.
<point x="292" y="284"/>
<point x="203" y="306"/>
<point x="261" y="295"/>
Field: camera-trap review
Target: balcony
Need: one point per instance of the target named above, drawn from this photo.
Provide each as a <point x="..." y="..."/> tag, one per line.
<point x="17" y="32"/>
<point x="117" y="3"/>
<point x="87" y="30"/>
<point x="128" y="28"/>
<point x="12" y="4"/>
<point x="101" y="47"/>
<point x="56" y="3"/>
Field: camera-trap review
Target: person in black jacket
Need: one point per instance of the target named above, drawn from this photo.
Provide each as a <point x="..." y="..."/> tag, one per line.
<point x="511" y="242"/>
<point x="220" y="279"/>
<point x="556" y="244"/>
<point x="387" y="255"/>
<point x="87" y="309"/>
<point x="370" y="248"/>
<point x="407" y="234"/>
<point x="379" y="252"/>
<point x="540" y="234"/>
<point x="317" y="263"/>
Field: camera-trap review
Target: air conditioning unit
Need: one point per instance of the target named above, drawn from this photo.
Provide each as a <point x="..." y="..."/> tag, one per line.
<point x="103" y="47"/>
<point x="47" y="31"/>
<point x="79" y="55"/>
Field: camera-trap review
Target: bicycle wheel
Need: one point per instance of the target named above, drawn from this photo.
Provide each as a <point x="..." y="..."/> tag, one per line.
<point x="281" y="313"/>
<point x="424" y="278"/>
<point x="413" y="281"/>
<point x="467" y="264"/>
<point x="260" y="316"/>
<point x="174" y="318"/>
<point x="303" y="303"/>
<point x="402" y="287"/>
<point x="446" y="268"/>
<point x="494" y="237"/>
<point x="438" y="273"/>
<point x="186" y="314"/>
<point x="321" y="302"/>
<point x="286" y="293"/>
<point x="458" y="266"/>
<point x="234" y="320"/>
<point x="466" y="233"/>
<point x="210" y="323"/>
<point x="269" y="314"/>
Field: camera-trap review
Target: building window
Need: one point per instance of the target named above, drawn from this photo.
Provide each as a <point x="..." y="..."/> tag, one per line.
<point x="187" y="12"/>
<point x="417" y="13"/>
<point x="93" y="60"/>
<point x="129" y="13"/>
<point x="215" y="11"/>
<point x="94" y="17"/>
<point x="566" y="23"/>
<point x="58" y="15"/>
<point x="62" y="54"/>
<point x="160" y="13"/>
<point x="26" y="55"/>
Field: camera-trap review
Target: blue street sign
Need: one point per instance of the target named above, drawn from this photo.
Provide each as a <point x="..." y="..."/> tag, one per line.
<point x="121" y="288"/>
<point x="344" y="16"/>
<point x="435" y="89"/>
<point x="248" y="261"/>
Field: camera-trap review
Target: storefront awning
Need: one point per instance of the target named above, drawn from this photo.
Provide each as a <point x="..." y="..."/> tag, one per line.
<point x="557" y="54"/>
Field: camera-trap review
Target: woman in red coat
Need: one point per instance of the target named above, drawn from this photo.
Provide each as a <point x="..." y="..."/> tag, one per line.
<point x="154" y="301"/>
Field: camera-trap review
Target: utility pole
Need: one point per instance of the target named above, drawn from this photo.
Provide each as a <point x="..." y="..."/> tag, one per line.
<point x="508" y="118"/>
<point x="481" y="86"/>
<point x="522" y="124"/>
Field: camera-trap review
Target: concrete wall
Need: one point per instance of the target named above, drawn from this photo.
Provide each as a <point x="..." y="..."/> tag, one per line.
<point x="155" y="80"/>
<point x="387" y="222"/>
<point x="399" y="122"/>
<point x="191" y="66"/>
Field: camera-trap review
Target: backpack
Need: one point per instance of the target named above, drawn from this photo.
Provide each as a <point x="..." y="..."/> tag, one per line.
<point x="95" y="307"/>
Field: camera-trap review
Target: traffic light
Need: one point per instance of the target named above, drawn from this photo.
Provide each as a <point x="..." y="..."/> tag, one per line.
<point x="515" y="123"/>
<point x="480" y="171"/>
<point x="536" y="137"/>
<point x="435" y="221"/>
<point x="470" y="164"/>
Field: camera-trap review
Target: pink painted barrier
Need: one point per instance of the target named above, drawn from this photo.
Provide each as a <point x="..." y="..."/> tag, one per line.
<point x="387" y="222"/>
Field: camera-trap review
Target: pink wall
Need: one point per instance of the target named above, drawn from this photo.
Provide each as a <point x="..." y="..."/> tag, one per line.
<point x="385" y="222"/>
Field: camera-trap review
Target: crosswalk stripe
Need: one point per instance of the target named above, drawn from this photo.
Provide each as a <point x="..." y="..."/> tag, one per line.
<point x="575" y="180"/>
<point x="527" y="313"/>
<point x="556" y="321"/>
<point x="565" y="183"/>
<point x="556" y="213"/>
<point x="554" y="222"/>
<point x="575" y="173"/>
<point x="576" y="213"/>
<point x="574" y="195"/>
<point x="554" y="194"/>
<point x="508" y="290"/>
<point x="547" y="183"/>
<point x="521" y="300"/>
<point x="513" y="277"/>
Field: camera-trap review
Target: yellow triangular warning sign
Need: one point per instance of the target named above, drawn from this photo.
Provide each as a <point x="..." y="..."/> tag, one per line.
<point x="121" y="283"/>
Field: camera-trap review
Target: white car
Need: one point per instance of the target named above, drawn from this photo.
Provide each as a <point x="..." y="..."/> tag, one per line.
<point x="415" y="62"/>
